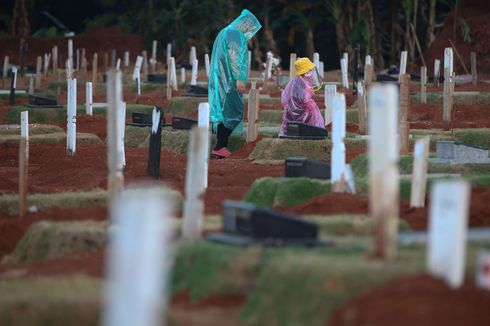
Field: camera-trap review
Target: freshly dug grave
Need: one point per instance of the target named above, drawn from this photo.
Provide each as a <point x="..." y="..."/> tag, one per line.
<point x="417" y="300"/>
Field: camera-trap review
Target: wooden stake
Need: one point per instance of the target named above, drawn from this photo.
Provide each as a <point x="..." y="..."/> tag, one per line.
<point x="292" y="69"/>
<point x="338" y="146"/>
<point x="13" y="86"/>
<point x="383" y="168"/>
<point x="155" y="144"/>
<point x="203" y="122"/>
<point x="173" y="74"/>
<point x="194" y="186"/>
<point x="404" y="113"/>
<point x="145" y="65"/>
<point x="419" y="48"/>
<point x="55" y="59"/>
<point x="94" y="70"/>
<point x="31" y="85"/>
<point x="115" y="166"/>
<point x="195" y="65"/>
<point x="423" y="85"/>
<point x="23" y="162"/>
<point x="316" y="62"/>
<point x="419" y="173"/>
<point x="459" y="57"/>
<point x="169" y="84"/>
<point x="253" y="115"/>
<point x="5" y="66"/>
<point x="361" y="106"/>
<point x="39" y="65"/>
<point x="368" y="75"/>
<point x="206" y="64"/>
<point x="70" y="52"/>
<point x="474" y="77"/>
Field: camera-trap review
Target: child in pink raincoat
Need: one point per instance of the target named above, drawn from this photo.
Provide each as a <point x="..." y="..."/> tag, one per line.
<point x="297" y="98"/>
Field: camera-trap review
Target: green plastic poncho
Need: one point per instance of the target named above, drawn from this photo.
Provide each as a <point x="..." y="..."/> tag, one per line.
<point x="229" y="63"/>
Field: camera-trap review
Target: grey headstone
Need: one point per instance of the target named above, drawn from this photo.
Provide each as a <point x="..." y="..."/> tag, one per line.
<point x="451" y="152"/>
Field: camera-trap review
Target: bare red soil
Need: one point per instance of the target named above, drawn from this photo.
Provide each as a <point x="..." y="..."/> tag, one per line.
<point x="430" y="302"/>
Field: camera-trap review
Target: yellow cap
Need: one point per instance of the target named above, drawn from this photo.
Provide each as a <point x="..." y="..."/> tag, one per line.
<point x="303" y="65"/>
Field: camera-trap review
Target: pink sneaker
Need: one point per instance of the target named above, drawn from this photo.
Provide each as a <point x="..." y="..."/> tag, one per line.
<point x="221" y="153"/>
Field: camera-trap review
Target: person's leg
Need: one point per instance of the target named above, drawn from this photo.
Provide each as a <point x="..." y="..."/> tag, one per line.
<point x="223" y="134"/>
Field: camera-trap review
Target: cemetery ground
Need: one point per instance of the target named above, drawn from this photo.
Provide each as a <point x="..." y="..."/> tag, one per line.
<point x="53" y="259"/>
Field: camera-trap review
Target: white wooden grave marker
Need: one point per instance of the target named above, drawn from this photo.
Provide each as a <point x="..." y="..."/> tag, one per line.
<point x="122" y="128"/>
<point x="448" y="223"/>
<point x="88" y="98"/>
<point x="403" y="65"/>
<point x="194" y="185"/>
<point x="206" y="64"/>
<point x="23" y="162"/>
<point x="169" y="51"/>
<point x="383" y="168"/>
<point x="437" y="71"/>
<point x="195" y="65"/>
<point x="173" y="74"/>
<point x="316" y="62"/>
<point x="70" y="53"/>
<point x="192" y="54"/>
<point x="5" y="66"/>
<point x="345" y="77"/>
<point x="139" y="259"/>
<point x="419" y="173"/>
<point x="253" y="115"/>
<point x="126" y="59"/>
<point x="423" y="85"/>
<point x="330" y="90"/>
<point x="268" y="66"/>
<point x="137" y="74"/>
<point x="361" y="106"/>
<point x="71" y="124"/>
<point x="182" y="75"/>
<point x="203" y="122"/>
<point x="338" y="148"/>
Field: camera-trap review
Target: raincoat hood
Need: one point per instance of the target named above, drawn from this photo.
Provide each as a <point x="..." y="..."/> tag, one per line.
<point x="247" y="24"/>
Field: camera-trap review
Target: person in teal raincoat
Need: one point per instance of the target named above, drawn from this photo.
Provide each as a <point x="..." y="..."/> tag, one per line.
<point x="227" y="77"/>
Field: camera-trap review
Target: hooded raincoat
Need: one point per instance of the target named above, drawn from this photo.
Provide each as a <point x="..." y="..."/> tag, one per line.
<point x="298" y="103"/>
<point x="229" y="63"/>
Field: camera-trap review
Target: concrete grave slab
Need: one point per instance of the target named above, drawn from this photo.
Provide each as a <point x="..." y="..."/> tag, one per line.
<point x="451" y="152"/>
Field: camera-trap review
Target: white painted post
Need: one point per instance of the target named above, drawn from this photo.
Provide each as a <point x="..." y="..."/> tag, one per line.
<point x="139" y="260"/>
<point x="448" y="88"/>
<point x="182" y="75"/>
<point x="115" y="166"/>
<point x="173" y="73"/>
<point x="423" y="85"/>
<point x="383" y="168"/>
<point x="345" y="77"/>
<point x="126" y="59"/>
<point x="70" y="53"/>
<point x="88" y="98"/>
<point x="153" y="59"/>
<point x="368" y="60"/>
<point x="192" y="55"/>
<point x="419" y="173"/>
<point x="346" y="57"/>
<point x="448" y="222"/>
<point x="23" y="162"/>
<point x="316" y="62"/>
<point x="68" y="69"/>
<point x="195" y="65"/>
<point x="361" y="106"/>
<point x="122" y="132"/>
<point x="292" y="69"/>
<point x="249" y="62"/>
<point x="268" y="68"/>
<point x="321" y="69"/>
<point x="330" y="91"/>
<point x="137" y="74"/>
<point x="403" y="64"/>
<point x="338" y="146"/>
<point x="5" y="66"/>
<point x="194" y="186"/>
<point x="118" y="64"/>
<point x="71" y="126"/>
<point x="203" y="122"/>
<point x="47" y="58"/>
<point x="206" y="63"/>
<point x="168" y="84"/>
<point x="437" y="72"/>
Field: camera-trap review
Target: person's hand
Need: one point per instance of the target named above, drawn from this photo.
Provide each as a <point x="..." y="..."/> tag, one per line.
<point x="240" y="86"/>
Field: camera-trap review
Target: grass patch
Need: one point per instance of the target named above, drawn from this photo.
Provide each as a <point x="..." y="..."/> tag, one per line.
<point x="59" y="114"/>
<point x="181" y="106"/>
<point x="134" y="136"/>
<point x="34" y="129"/>
<point x="45" y="239"/>
<point x="285" y="191"/>
<point x="280" y="149"/>
<point x="52" y="138"/>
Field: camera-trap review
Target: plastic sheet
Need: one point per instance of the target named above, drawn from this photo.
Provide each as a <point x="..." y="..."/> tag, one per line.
<point x="229" y="63"/>
<point x="298" y="103"/>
